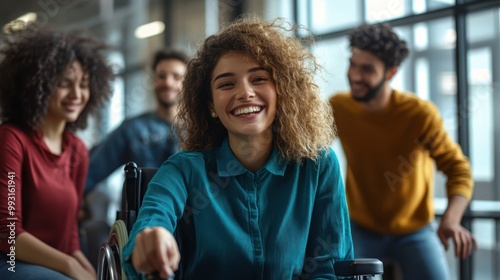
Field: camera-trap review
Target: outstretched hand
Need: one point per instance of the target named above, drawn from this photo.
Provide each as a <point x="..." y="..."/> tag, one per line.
<point x="155" y="250"/>
<point x="464" y="241"/>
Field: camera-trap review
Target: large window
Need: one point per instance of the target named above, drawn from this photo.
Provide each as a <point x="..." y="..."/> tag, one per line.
<point x="483" y="62"/>
<point x="323" y="16"/>
<point x="346" y="13"/>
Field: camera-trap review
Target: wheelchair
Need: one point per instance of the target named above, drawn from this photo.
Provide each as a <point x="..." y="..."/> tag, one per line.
<point x="134" y="188"/>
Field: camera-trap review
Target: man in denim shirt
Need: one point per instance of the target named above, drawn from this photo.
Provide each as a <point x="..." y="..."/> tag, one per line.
<point x="147" y="139"/>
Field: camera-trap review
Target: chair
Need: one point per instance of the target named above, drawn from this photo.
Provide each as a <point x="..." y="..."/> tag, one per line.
<point x="134" y="188"/>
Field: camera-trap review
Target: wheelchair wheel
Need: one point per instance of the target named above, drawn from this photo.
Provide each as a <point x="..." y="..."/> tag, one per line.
<point x="118" y="236"/>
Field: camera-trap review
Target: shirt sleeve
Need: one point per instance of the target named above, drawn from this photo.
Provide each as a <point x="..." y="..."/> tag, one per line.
<point x="79" y="174"/>
<point x="11" y="161"/>
<point x="107" y="156"/>
<point x="163" y="205"/>
<point x="448" y="155"/>
<point x="330" y="233"/>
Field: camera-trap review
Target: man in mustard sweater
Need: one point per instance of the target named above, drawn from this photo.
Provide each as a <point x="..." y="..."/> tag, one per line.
<point x="391" y="140"/>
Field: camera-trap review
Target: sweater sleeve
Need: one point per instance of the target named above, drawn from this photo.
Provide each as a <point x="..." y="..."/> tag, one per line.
<point x="11" y="159"/>
<point x="107" y="156"/>
<point x="447" y="154"/>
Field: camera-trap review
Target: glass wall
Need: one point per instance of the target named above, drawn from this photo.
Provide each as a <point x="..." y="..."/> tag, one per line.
<point x="345" y="13"/>
<point x="483" y="63"/>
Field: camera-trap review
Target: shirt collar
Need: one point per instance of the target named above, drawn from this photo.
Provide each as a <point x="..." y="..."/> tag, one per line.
<point x="229" y="165"/>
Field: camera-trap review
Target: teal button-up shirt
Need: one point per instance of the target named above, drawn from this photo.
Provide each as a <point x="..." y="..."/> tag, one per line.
<point x="285" y="221"/>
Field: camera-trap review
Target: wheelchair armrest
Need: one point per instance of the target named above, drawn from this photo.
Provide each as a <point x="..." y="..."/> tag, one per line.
<point x="358" y="267"/>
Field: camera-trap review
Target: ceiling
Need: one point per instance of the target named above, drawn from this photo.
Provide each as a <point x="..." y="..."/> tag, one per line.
<point x="57" y="14"/>
<point x="67" y="14"/>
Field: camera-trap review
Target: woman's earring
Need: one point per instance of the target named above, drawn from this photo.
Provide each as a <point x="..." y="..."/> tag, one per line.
<point x="213" y="114"/>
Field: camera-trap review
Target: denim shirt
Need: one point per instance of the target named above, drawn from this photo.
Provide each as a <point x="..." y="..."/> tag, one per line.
<point x="285" y="221"/>
<point x="147" y="140"/>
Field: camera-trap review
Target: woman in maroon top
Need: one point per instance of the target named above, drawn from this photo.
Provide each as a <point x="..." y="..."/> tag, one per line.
<point x="50" y="83"/>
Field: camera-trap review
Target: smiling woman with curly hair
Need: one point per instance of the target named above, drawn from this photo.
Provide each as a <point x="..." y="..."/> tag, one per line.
<point x="51" y="82"/>
<point x="303" y="123"/>
<point x="258" y="184"/>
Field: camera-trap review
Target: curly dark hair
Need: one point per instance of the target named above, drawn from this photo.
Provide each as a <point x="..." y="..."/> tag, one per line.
<point x="33" y="63"/>
<point x="166" y="54"/>
<point x="380" y="40"/>
<point x="304" y="123"/>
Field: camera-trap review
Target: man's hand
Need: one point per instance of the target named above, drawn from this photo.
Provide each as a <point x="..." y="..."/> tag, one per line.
<point x="464" y="241"/>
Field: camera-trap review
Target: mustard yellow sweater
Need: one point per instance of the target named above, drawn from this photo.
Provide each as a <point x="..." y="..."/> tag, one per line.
<point x="390" y="155"/>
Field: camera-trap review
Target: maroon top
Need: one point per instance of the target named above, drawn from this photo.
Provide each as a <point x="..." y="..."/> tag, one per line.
<point x="47" y="188"/>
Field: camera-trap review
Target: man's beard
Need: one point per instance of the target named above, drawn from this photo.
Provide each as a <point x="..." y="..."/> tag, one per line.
<point x="372" y="92"/>
<point x="166" y="104"/>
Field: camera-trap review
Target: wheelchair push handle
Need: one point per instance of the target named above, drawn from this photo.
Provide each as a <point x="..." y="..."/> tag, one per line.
<point x="358" y="267"/>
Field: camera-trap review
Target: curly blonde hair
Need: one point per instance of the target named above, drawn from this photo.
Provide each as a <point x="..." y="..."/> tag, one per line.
<point x="304" y="122"/>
